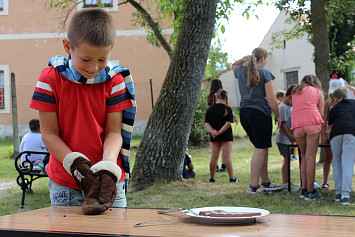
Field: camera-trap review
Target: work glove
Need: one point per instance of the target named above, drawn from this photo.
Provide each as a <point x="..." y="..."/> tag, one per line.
<point x="103" y="192"/>
<point x="78" y="166"/>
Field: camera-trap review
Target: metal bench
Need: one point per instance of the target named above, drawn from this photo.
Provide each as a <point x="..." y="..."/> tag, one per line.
<point x="27" y="174"/>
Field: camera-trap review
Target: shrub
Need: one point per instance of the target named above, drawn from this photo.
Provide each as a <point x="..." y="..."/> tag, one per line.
<point x="199" y="133"/>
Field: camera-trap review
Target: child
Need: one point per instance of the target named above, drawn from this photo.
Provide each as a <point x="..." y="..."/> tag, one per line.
<point x="188" y="168"/>
<point x="218" y="121"/>
<point x="306" y="117"/>
<point x="280" y="95"/>
<point x="32" y="141"/>
<point x="283" y="136"/>
<point x="342" y="142"/>
<point x="87" y="109"/>
<point x="216" y="84"/>
<point x="334" y="84"/>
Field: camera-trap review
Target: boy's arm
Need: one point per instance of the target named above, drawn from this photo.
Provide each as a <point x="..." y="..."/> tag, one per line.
<point x="50" y="135"/>
<point x="285" y="130"/>
<point x="113" y="137"/>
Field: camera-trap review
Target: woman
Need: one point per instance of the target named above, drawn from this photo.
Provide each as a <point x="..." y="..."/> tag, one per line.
<point x="258" y="98"/>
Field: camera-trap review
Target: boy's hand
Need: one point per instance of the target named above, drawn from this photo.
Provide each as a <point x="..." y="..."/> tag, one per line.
<point x="78" y="166"/>
<point x="103" y="192"/>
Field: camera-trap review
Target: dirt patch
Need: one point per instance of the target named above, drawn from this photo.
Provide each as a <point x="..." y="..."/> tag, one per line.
<point x="4" y="185"/>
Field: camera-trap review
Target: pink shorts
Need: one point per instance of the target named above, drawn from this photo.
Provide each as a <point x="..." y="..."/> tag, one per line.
<point x="307" y="130"/>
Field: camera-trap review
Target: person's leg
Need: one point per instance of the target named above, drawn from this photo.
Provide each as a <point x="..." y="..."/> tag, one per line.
<point x="347" y="161"/>
<point x="215" y="148"/>
<point x="264" y="171"/>
<point x="64" y="196"/>
<point x="257" y="165"/>
<point x="301" y="141"/>
<point x="226" y="157"/>
<point x="310" y="157"/>
<point x="328" y="156"/>
<point x="336" y="146"/>
<point x="120" y="200"/>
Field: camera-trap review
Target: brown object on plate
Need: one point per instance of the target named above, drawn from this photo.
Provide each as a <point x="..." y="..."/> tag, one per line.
<point x="222" y="213"/>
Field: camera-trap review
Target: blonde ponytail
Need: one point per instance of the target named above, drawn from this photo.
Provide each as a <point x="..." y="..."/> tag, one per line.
<point x="252" y="66"/>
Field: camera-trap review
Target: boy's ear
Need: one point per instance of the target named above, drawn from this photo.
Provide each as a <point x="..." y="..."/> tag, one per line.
<point x="66" y="46"/>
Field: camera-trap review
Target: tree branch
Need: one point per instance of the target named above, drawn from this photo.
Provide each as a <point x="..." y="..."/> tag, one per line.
<point x="154" y="26"/>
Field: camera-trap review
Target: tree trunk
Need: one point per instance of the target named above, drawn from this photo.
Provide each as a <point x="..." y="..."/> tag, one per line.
<point x="161" y="152"/>
<point x="321" y="42"/>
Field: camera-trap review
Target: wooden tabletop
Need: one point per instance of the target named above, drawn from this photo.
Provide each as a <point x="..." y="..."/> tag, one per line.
<point x="60" y="221"/>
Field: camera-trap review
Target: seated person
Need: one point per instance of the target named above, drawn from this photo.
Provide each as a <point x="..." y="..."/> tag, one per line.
<point x="187" y="170"/>
<point x="32" y="141"/>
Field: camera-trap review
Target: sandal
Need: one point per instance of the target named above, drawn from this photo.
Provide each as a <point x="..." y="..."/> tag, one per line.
<point x="268" y="186"/>
<point x="325" y="186"/>
<point x="254" y="190"/>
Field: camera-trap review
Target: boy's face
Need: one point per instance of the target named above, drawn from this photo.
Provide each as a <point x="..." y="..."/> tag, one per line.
<point x="88" y="60"/>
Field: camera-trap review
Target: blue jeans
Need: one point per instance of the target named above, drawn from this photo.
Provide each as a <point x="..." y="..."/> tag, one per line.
<point x="64" y="196"/>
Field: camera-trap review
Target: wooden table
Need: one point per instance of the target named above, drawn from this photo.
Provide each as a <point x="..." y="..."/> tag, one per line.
<point x="67" y="221"/>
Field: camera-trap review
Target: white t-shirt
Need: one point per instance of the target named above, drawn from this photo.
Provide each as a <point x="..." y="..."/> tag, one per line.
<point x="32" y="142"/>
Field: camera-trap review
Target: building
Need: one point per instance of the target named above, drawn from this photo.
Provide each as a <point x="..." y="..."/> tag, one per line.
<point x="288" y="64"/>
<point x="30" y="34"/>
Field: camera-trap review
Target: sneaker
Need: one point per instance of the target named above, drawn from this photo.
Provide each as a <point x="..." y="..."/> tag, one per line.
<point x="212" y="180"/>
<point x="338" y="197"/>
<point x="315" y="185"/>
<point x="234" y="180"/>
<point x="255" y="190"/>
<point x="345" y="201"/>
<point x="217" y="169"/>
<point x="222" y="169"/>
<point x="313" y="196"/>
<point x="303" y="193"/>
<point x="293" y="158"/>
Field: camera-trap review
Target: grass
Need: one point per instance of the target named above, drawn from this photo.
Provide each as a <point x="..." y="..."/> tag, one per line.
<point x="197" y="192"/>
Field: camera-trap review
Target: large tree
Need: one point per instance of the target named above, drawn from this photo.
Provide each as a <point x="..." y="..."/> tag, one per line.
<point x="161" y="151"/>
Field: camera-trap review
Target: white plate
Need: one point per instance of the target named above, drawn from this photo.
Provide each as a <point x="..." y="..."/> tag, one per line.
<point x="194" y="213"/>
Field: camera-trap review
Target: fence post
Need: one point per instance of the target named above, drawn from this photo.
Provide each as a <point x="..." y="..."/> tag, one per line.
<point x="15" y="136"/>
<point x="151" y="92"/>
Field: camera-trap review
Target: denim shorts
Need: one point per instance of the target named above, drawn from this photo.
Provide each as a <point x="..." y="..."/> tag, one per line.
<point x="64" y="196"/>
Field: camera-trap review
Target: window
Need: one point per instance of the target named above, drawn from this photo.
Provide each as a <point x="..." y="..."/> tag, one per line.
<point x="93" y="3"/>
<point x="109" y="5"/>
<point x="4" y="89"/>
<point x="4" y="7"/>
<point x="291" y="78"/>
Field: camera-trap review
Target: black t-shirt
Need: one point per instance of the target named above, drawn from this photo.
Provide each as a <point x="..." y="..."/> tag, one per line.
<point x="216" y="116"/>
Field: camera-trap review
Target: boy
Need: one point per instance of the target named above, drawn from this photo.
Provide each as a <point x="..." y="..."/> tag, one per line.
<point x="87" y="109"/>
<point x="280" y="95"/>
<point x="32" y="141"/>
<point x="283" y="136"/>
<point x="342" y="143"/>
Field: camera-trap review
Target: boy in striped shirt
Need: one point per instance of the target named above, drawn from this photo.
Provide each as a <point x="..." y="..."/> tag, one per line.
<point x="87" y="109"/>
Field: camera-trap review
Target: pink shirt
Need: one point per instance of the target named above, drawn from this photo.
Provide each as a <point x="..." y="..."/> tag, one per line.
<point x="305" y="108"/>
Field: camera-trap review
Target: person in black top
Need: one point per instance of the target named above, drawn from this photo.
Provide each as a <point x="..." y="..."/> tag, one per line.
<point x="342" y="143"/>
<point x="218" y="121"/>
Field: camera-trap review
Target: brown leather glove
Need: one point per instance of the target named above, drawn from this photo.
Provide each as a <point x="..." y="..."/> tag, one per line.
<point x="78" y="166"/>
<point x="103" y="192"/>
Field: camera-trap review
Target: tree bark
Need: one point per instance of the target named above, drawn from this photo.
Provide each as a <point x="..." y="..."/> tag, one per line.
<point x="161" y="152"/>
<point x="321" y="42"/>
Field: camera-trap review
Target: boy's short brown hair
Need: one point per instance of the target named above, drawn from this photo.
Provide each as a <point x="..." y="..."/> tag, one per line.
<point x="94" y="26"/>
<point x="340" y="93"/>
<point x="280" y="93"/>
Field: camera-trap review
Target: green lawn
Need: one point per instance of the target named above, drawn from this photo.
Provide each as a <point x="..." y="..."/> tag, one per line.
<point x="197" y="192"/>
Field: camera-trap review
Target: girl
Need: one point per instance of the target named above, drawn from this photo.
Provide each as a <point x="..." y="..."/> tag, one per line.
<point x="306" y="117"/>
<point x="256" y="88"/>
<point x="218" y="121"/>
<point x="216" y="84"/>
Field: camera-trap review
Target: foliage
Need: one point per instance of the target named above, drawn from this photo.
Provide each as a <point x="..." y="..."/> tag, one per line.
<point x="199" y="133"/>
<point x="217" y="59"/>
<point x="341" y="30"/>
